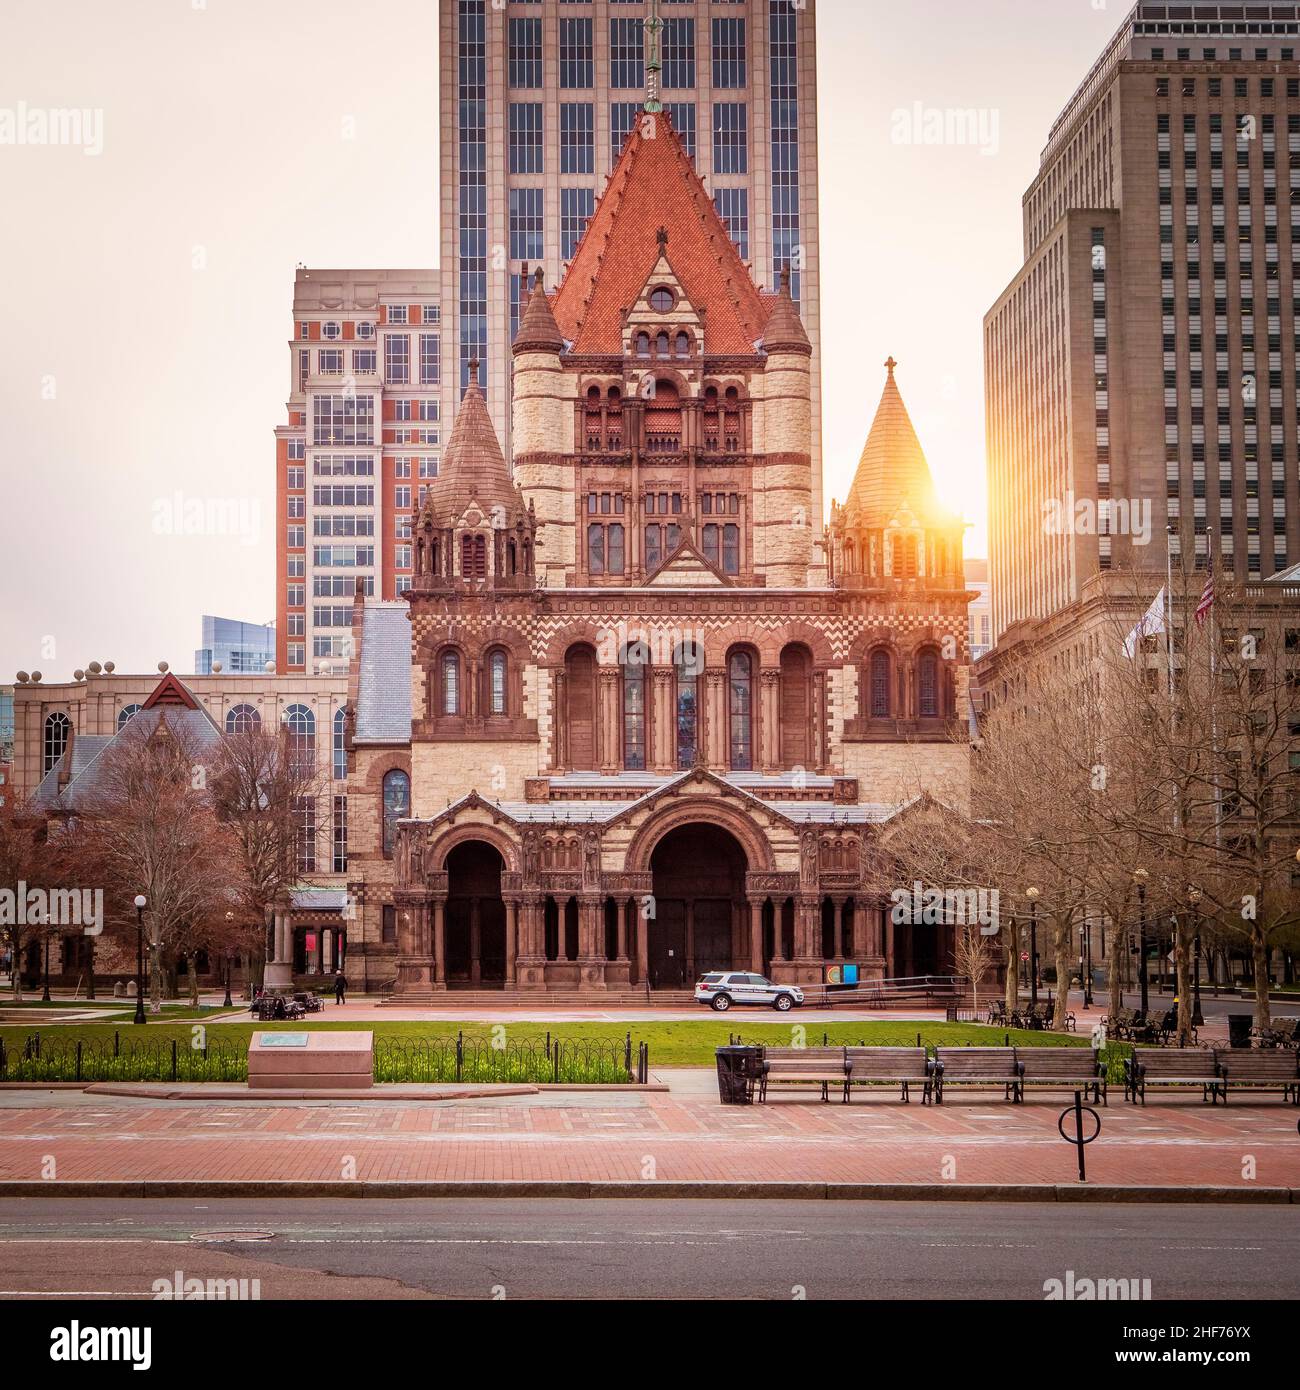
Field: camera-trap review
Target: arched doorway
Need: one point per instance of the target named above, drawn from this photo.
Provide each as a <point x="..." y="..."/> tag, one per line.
<point x="701" y="915"/>
<point x="476" y="916"/>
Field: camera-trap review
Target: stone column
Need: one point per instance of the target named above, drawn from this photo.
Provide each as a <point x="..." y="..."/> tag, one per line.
<point x="689" y="963"/>
<point x="279" y="969"/>
<point x="642" y="946"/>
<point x="327" y="955"/>
<point x="591" y="960"/>
<point x="530" y="962"/>
<point x="475" y="940"/>
<point x="440" y="942"/>
<point x="807" y="929"/>
<point x="716" y="751"/>
<point x="607" y="710"/>
<point x="837" y="936"/>
<point x="769" y="694"/>
<point x="621" y="909"/>
<point x="756" y="935"/>
<point x="778" y="930"/>
<point x="512" y="939"/>
<point x="662" y="744"/>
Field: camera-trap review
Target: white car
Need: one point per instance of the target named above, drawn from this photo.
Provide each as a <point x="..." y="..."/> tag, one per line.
<point x="721" y="989"/>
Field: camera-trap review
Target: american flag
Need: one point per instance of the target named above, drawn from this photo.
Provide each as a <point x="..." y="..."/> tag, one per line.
<point x="1206" y="603"/>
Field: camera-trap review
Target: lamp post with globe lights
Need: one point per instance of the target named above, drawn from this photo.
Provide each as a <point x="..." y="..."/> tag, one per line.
<point x="140" y="903"/>
<point x="230" y="918"/>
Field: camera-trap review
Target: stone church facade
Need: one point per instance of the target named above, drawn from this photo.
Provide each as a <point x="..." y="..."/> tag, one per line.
<point x="641" y="714"/>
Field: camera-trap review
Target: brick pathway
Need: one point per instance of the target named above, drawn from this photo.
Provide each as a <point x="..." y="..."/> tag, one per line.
<point x="684" y="1135"/>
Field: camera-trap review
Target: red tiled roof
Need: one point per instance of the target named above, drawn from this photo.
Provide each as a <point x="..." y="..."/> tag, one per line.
<point x="653" y="185"/>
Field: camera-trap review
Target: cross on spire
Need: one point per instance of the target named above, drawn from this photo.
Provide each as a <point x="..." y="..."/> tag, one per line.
<point x="890" y="365"/>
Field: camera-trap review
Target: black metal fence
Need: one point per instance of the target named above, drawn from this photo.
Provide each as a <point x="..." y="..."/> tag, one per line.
<point x="553" y="1061"/>
<point x="118" y="1059"/>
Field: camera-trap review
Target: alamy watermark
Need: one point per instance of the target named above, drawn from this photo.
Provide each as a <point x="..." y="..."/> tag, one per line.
<point x="921" y="906"/>
<point x="53" y="907"/>
<point x="918" y="124"/>
<point x="75" y="126"/>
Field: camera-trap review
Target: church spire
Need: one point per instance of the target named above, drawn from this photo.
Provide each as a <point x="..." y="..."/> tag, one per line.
<point x="654" y="61"/>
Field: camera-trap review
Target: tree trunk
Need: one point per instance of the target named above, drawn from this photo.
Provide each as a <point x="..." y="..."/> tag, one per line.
<point x="1061" y="949"/>
<point x="1259" y="960"/>
<point x="1115" y="968"/>
<point x="90" y="980"/>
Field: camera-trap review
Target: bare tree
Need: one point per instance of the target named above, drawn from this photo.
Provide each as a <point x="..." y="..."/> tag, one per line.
<point x="30" y="857"/>
<point x="260" y="784"/>
<point x="974" y="952"/>
<point x="151" y="830"/>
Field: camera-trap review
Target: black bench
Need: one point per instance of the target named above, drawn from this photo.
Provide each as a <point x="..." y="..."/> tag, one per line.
<point x="988" y="1067"/>
<point x="1250" y="1069"/>
<point x="1170" y="1067"/>
<point x="899" y="1066"/>
<point x="1062" y="1069"/>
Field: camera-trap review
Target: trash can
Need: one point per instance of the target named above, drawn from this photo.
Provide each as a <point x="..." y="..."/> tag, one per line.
<point x="737" y="1072"/>
<point x="1239" y="1026"/>
<point x="950" y="1013"/>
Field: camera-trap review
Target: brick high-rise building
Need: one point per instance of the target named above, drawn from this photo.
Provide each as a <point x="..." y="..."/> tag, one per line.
<point x="360" y="443"/>
<point x="538" y="97"/>
<point x="1144" y="358"/>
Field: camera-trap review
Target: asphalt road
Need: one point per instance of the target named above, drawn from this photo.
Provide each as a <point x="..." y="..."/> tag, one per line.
<point x="643" y="1249"/>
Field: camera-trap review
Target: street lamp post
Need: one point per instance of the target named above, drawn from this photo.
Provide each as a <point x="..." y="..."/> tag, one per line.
<point x="1085" y="963"/>
<point x="1140" y="877"/>
<point x="230" y="917"/>
<point x="1194" y="897"/>
<point x="45" y="993"/>
<point x="140" y="902"/>
<point x="1032" y="895"/>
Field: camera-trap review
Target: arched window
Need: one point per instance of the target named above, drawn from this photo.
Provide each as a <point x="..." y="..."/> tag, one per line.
<point x="661" y="300"/>
<point x="643" y="345"/>
<point x="57" y="728"/>
<point x="927" y="686"/>
<point x="731" y="549"/>
<point x="661" y="344"/>
<point x="615" y="556"/>
<point x="688" y="661"/>
<point x="741" y="674"/>
<point x="497" y="683"/>
<point x="850" y="557"/>
<point x="242" y="719"/>
<point x="635" y="660"/>
<point x="340" y="751"/>
<point x="124" y="716"/>
<point x="683" y="345"/>
<point x="905" y="562"/>
<point x="879" y="703"/>
<point x="654" y="546"/>
<point x="450" y="692"/>
<point x="397" y="806"/>
<point x="301" y="725"/>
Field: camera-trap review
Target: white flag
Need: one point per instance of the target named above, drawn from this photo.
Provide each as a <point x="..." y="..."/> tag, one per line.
<point x="1153" y="621"/>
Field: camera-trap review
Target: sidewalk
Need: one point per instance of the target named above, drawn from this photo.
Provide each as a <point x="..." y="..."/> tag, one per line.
<point x="644" y="1140"/>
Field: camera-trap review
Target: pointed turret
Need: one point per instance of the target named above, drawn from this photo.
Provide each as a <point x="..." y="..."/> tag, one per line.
<point x="473" y="468"/>
<point x="892" y="526"/>
<point x="785" y="331"/>
<point x="538" y="331"/>
<point x="892" y="467"/>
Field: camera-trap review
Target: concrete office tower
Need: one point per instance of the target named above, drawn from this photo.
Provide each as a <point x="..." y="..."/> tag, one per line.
<point x="1141" y="367"/>
<point x="537" y="101"/>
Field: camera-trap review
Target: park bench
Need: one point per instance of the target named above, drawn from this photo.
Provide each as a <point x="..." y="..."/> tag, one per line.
<point x="821" y="1067"/>
<point x="1063" y="1069"/>
<point x="998" y="1012"/>
<point x="898" y="1066"/>
<point x="977" y="1066"/>
<point x="1245" y="1069"/>
<point x="1122" y="1022"/>
<point x="1281" y="1032"/>
<point x="1171" y="1066"/>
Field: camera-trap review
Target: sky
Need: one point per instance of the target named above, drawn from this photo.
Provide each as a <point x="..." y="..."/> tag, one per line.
<point x="147" y="284"/>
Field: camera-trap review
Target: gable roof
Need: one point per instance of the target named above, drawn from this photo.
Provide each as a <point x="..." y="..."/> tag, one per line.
<point x="653" y="185"/>
<point x="687" y="567"/>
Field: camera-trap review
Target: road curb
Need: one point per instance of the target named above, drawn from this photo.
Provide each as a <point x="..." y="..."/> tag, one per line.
<point x="728" y="1191"/>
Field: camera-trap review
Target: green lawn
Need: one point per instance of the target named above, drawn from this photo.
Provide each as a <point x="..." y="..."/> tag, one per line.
<point x="686" y="1043"/>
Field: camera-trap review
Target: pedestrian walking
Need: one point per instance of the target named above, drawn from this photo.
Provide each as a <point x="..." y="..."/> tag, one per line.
<point x="340" y="987"/>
